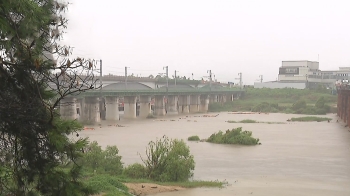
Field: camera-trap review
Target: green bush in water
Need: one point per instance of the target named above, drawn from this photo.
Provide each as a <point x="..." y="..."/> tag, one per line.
<point x="234" y="136"/>
<point x="248" y="121"/>
<point x="193" y="138"/>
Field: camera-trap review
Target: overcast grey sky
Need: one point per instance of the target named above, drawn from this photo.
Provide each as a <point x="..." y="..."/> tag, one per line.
<point x="193" y="36"/>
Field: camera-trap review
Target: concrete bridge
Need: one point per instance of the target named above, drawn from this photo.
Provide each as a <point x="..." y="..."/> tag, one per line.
<point x="137" y="100"/>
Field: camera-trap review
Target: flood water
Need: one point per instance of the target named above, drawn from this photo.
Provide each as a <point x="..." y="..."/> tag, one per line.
<point x="297" y="158"/>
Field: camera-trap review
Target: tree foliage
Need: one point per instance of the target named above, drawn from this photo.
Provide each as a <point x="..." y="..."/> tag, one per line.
<point x="36" y="73"/>
<point x="168" y="160"/>
<point x="102" y="161"/>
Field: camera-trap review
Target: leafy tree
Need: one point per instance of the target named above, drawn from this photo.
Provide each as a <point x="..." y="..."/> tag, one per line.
<point x="168" y="160"/>
<point x="180" y="163"/>
<point x="36" y="73"/>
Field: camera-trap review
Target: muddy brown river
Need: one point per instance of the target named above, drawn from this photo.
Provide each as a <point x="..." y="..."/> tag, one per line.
<point x="297" y="158"/>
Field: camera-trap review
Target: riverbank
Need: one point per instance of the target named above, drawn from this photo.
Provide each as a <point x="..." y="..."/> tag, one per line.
<point x="280" y="101"/>
<point x="142" y="189"/>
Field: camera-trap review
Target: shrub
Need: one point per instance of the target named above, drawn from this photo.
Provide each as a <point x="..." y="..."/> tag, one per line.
<point x="135" y="170"/>
<point x="301" y="104"/>
<point x="234" y="136"/>
<point x="107" y="184"/>
<point x="307" y="110"/>
<point x="102" y="161"/>
<point x="320" y="103"/>
<point x="168" y="160"/>
<point x="289" y="111"/>
<point x="193" y="138"/>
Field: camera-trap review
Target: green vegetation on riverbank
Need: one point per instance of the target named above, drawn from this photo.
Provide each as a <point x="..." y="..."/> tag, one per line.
<point x="234" y="136"/>
<point x="184" y="184"/>
<point x="310" y="119"/>
<point x="281" y="100"/>
<point x="167" y="162"/>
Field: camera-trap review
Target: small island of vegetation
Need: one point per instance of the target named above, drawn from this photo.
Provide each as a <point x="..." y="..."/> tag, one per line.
<point x="310" y="119"/>
<point x="253" y="121"/>
<point x="193" y="138"/>
<point x="234" y="136"/>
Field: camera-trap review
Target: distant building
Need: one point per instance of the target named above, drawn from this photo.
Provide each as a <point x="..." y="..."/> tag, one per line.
<point x="305" y="74"/>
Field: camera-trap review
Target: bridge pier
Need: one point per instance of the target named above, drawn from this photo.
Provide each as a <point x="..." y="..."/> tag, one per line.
<point x="145" y="106"/>
<point x="130" y="107"/>
<point x="184" y="102"/>
<point x="229" y="97"/>
<point x="112" y="108"/>
<point x="68" y="108"/>
<point x="172" y="105"/>
<point x="343" y="105"/>
<point x="213" y="98"/>
<point x="222" y="98"/>
<point x="194" y="103"/>
<point x="159" y="105"/>
<point x="91" y="110"/>
<point x="204" y="100"/>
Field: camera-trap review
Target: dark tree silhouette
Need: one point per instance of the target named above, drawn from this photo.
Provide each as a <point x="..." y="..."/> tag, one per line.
<point x="36" y="73"/>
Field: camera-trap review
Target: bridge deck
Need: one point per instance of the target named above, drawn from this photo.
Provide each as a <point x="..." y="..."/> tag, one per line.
<point x="96" y="93"/>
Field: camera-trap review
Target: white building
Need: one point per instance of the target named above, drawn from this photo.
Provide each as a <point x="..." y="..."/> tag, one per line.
<point x="298" y="74"/>
<point x="297" y="71"/>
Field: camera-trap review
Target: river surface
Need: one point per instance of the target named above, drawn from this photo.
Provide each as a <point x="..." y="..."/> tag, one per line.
<point x="297" y="158"/>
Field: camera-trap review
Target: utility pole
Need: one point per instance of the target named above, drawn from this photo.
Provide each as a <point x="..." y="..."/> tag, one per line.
<point x="209" y="71"/>
<point x="126" y="77"/>
<point x="261" y="78"/>
<point x="166" y="73"/>
<point x="101" y="79"/>
<point x="101" y="104"/>
<point x="175" y="77"/>
<point x="167" y="87"/>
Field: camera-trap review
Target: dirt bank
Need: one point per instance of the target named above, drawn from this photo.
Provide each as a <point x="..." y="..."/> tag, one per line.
<point x="141" y="189"/>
